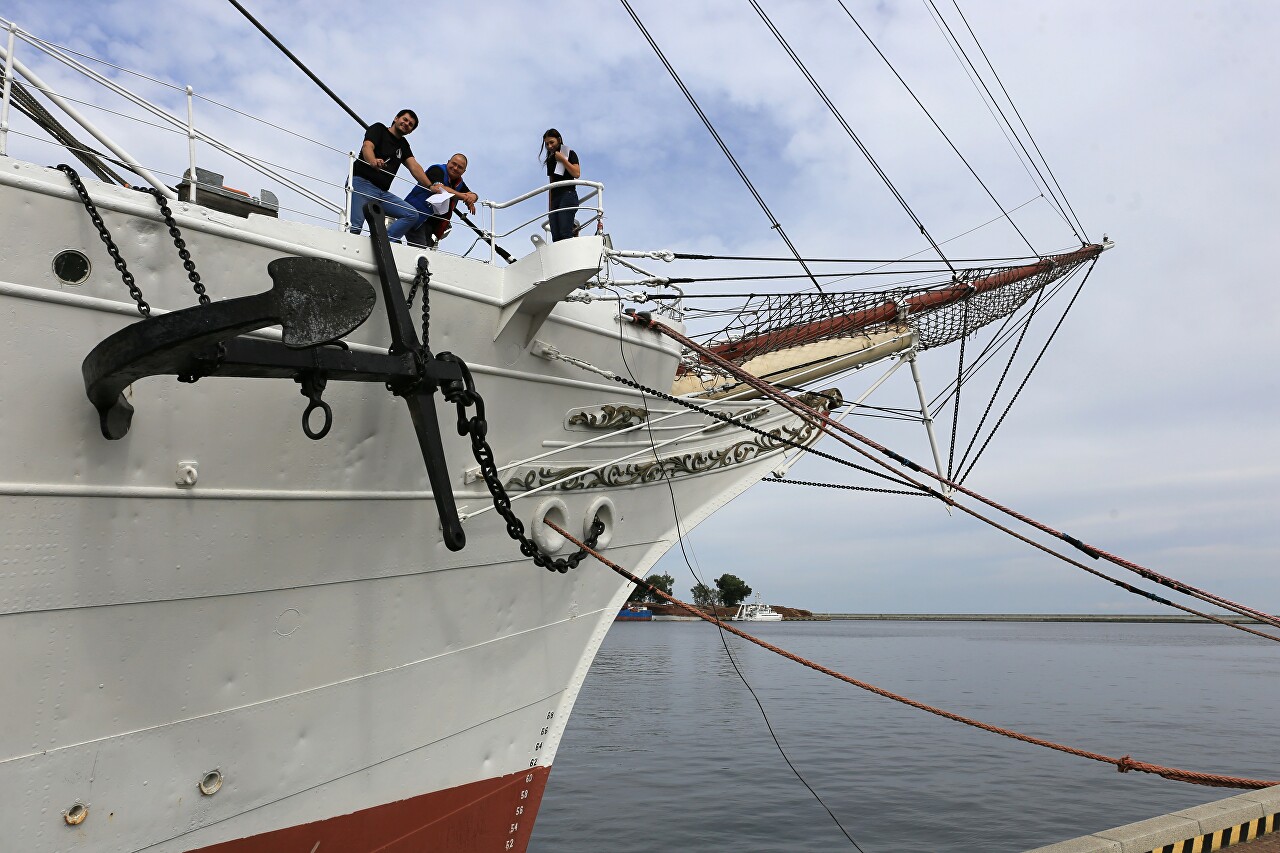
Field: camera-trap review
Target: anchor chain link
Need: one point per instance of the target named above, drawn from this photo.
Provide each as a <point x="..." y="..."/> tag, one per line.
<point x="143" y="308"/>
<point x="477" y="427"/>
<point x="187" y="263"/>
<point x="423" y="280"/>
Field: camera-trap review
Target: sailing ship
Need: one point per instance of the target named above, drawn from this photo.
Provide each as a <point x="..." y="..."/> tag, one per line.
<point x="230" y="631"/>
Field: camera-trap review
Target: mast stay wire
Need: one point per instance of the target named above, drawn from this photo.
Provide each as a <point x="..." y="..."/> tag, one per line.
<point x="940" y="401"/>
<point x="298" y="62"/>
<point x="999" y="340"/>
<point x="773" y="221"/>
<point x="934" y="122"/>
<point x="1014" y="106"/>
<point x="857" y="141"/>
<point x="999" y="109"/>
<point x="964" y="475"/>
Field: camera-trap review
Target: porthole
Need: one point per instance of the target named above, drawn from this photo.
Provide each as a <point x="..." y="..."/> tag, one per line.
<point x="211" y="783"/>
<point x="72" y="266"/>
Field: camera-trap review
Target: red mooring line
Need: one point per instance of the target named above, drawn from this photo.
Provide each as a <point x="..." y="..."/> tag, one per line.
<point x="1123" y="764"/>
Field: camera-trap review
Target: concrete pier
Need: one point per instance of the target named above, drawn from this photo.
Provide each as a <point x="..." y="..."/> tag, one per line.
<point x="1248" y="821"/>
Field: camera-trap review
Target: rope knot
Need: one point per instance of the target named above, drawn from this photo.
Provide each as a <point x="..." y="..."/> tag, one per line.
<point x="1125" y="764"/>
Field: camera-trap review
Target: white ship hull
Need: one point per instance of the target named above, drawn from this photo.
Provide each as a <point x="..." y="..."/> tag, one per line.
<point x="292" y="624"/>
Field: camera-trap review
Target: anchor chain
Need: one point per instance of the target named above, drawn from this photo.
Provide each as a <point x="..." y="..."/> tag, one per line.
<point x="187" y="264"/>
<point x="143" y="308"/>
<point x="423" y="280"/>
<point x="476" y="426"/>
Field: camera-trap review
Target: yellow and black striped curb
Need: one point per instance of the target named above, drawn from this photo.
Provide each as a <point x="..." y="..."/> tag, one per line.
<point x="1200" y="829"/>
<point x="1224" y="838"/>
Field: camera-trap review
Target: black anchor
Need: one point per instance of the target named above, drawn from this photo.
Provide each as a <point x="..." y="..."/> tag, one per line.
<point x="316" y="302"/>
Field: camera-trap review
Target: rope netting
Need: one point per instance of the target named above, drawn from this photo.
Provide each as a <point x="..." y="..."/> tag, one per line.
<point x="937" y="315"/>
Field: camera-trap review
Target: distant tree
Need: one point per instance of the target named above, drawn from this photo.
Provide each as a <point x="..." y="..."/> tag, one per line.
<point x="704" y="596"/>
<point x="662" y="582"/>
<point x="733" y="590"/>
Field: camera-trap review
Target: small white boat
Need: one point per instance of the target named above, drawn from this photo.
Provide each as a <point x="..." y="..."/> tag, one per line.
<point x="756" y="612"/>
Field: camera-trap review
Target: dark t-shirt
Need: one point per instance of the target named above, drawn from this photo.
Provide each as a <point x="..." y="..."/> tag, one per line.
<point x="386" y="146"/>
<point x="437" y="174"/>
<point x="552" y="162"/>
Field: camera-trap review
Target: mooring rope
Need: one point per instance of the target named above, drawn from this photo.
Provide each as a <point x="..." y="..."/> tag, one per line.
<point x="828" y="424"/>
<point x="1123" y="764"/>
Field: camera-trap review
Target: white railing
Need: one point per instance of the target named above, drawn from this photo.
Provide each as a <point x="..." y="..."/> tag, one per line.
<point x="303" y="185"/>
<point x="597" y="210"/>
<point x="282" y="176"/>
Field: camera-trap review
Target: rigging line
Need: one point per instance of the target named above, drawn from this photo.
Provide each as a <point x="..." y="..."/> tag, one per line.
<point x="1000" y="110"/>
<point x="1030" y="137"/>
<point x="52" y="47"/>
<point x="675" y="512"/>
<point x="998" y="342"/>
<point x="1123" y="764"/>
<point x="826" y="425"/>
<point x="848" y="436"/>
<point x="1005" y="132"/>
<point x="849" y="130"/>
<point x="934" y="121"/>
<point x="841" y="274"/>
<point x="686" y="256"/>
<point x="980" y="227"/>
<point x="773" y="221"/>
<point x="26" y="103"/>
<point x="1026" y="327"/>
<point x="964" y="475"/>
<point x="298" y="62"/>
<point x="955" y="412"/>
<point x="790" y="482"/>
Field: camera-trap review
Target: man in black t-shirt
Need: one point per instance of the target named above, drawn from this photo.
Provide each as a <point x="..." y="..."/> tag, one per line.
<point x="384" y="149"/>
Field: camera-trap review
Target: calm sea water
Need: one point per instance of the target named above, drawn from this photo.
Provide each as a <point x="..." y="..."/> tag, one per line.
<point x="667" y="750"/>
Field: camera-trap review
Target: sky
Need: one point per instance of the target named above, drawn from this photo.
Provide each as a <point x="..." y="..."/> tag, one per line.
<point x="1149" y="428"/>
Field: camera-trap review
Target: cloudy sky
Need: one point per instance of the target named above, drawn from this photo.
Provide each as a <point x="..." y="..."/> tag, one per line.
<point x="1150" y="427"/>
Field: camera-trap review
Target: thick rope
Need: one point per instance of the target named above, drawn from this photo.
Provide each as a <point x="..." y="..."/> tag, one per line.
<point x="827" y="424"/>
<point x="1123" y="764"/>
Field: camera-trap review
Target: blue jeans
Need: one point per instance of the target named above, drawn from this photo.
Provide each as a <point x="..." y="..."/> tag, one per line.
<point x="562" y="220"/>
<point x="402" y="212"/>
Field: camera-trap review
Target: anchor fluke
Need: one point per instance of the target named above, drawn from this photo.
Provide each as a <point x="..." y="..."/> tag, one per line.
<point x="320" y="299"/>
<point x="314" y="300"/>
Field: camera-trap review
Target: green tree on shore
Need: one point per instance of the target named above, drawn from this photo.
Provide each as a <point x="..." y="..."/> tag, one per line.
<point x="704" y="596"/>
<point x="662" y="582"/>
<point x="733" y="590"/>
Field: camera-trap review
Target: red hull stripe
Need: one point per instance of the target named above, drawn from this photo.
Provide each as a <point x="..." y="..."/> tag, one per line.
<point x="491" y="815"/>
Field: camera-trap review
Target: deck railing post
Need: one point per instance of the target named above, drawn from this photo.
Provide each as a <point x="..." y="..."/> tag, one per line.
<point x="191" y="145"/>
<point x="346" y="207"/>
<point x="8" y="85"/>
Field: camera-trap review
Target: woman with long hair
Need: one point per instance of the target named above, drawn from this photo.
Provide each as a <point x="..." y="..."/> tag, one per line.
<point x="562" y="165"/>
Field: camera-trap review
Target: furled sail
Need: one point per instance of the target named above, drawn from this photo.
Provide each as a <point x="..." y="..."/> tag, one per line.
<point x="802" y="337"/>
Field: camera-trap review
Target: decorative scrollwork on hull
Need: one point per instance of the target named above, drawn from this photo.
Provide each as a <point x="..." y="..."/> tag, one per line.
<point x="608" y="417"/>
<point x="683" y="465"/>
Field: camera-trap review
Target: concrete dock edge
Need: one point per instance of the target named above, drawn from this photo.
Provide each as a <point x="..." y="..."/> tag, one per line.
<point x="1212" y="826"/>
